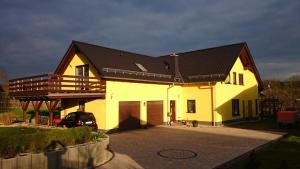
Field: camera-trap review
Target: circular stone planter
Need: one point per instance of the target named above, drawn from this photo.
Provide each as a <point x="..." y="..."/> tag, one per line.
<point x="24" y="161"/>
<point x="78" y="156"/>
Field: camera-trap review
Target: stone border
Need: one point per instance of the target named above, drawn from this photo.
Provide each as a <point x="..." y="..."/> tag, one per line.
<point x="78" y="156"/>
<point x="230" y="163"/>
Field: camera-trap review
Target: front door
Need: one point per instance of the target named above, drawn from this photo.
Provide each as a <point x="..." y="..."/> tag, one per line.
<point x="173" y="110"/>
<point x="250" y="108"/>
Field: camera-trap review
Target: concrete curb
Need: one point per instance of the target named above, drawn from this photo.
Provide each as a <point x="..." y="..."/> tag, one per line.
<point x="230" y="163"/>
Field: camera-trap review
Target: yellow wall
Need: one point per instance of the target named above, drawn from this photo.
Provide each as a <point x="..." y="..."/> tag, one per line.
<point x="76" y="61"/>
<point x="226" y="92"/>
<point x="70" y="70"/>
<point x="203" y="99"/>
<point x="106" y="110"/>
<point x="96" y="106"/>
<point x="128" y="91"/>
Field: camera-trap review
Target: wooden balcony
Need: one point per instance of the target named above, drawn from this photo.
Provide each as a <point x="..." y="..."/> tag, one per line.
<point x="53" y="86"/>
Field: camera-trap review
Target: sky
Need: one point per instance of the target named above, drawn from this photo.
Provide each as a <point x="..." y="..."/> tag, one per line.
<point x="34" y="35"/>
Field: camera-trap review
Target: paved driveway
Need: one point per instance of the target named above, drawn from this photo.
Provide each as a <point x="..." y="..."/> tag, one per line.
<point x="202" y="147"/>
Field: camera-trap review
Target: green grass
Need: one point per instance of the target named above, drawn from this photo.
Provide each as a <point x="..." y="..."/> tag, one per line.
<point x="10" y="131"/>
<point x="14" y="140"/>
<point x="18" y="113"/>
<point x="283" y="154"/>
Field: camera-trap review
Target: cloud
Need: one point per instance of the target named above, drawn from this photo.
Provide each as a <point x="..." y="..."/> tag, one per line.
<point x="35" y="34"/>
<point x="278" y="70"/>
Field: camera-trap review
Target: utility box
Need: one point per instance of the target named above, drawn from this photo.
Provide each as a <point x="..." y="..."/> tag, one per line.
<point x="287" y="117"/>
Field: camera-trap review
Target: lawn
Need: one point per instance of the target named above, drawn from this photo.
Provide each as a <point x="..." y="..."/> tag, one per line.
<point x="284" y="154"/>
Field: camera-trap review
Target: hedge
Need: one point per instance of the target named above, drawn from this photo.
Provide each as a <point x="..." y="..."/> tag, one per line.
<point x="25" y="140"/>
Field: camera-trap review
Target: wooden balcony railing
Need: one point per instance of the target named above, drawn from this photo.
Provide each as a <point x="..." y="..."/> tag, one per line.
<point x="47" y="84"/>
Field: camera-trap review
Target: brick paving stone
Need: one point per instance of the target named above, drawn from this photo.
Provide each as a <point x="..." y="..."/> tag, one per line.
<point x="213" y="145"/>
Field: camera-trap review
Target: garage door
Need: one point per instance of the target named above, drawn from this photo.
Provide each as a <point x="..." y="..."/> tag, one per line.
<point x="129" y="115"/>
<point x="154" y="113"/>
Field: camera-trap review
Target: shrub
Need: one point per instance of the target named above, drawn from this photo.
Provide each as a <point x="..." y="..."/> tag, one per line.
<point x="7" y="118"/>
<point x="13" y="143"/>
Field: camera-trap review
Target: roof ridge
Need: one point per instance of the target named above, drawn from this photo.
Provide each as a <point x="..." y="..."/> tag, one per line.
<point x="110" y="48"/>
<point x="210" y="48"/>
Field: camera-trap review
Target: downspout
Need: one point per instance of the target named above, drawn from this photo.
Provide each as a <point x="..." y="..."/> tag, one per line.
<point x="213" y="118"/>
<point x="168" y="106"/>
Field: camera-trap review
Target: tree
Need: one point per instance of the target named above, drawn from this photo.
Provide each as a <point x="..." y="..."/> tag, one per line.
<point x="3" y="76"/>
<point x="287" y="91"/>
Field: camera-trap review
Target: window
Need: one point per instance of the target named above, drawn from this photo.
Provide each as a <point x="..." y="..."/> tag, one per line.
<point x="234" y="78"/>
<point x="82" y="71"/>
<point x="140" y="66"/>
<point x="241" y="79"/>
<point x="191" y="106"/>
<point x="235" y="107"/>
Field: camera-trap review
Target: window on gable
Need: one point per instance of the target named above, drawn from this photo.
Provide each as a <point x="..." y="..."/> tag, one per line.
<point x="241" y="79"/>
<point x="167" y="65"/>
<point x="234" y="78"/>
<point x="140" y="66"/>
<point x="235" y="107"/>
<point x="191" y="106"/>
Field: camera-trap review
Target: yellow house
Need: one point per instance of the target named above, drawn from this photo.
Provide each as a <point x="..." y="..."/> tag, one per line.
<point x="126" y="90"/>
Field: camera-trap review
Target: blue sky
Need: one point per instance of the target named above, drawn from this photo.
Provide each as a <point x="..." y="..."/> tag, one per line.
<point x="34" y="35"/>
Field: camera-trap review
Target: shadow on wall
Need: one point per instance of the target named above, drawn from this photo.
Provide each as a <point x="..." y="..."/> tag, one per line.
<point x="130" y="123"/>
<point x="225" y="110"/>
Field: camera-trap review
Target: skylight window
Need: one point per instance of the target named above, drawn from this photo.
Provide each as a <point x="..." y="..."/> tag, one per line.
<point x="140" y="66"/>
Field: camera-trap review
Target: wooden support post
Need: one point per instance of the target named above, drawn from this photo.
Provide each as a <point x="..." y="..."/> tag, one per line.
<point x="36" y="106"/>
<point x="24" y="105"/>
<point x="51" y="105"/>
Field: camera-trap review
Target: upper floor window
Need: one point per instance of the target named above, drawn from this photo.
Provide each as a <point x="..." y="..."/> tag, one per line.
<point x="140" y="66"/>
<point x="241" y="79"/>
<point x="82" y="70"/>
<point x="235" y="107"/>
<point x="191" y="106"/>
<point x="234" y="78"/>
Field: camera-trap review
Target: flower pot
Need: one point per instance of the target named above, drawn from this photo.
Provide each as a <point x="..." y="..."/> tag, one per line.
<point x="62" y="158"/>
<point x="51" y="159"/>
<point x="195" y="123"/>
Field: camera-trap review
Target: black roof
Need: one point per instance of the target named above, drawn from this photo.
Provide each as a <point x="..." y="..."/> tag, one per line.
<point x="206" y="65"/>
<point x="212" y="64"/>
